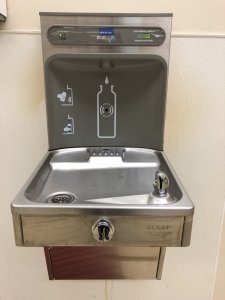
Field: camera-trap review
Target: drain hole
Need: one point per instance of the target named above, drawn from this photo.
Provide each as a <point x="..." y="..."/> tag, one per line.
<point x="61" y="199"/>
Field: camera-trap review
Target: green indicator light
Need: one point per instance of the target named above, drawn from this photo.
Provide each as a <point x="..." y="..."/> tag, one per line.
<point x="144" y="35"/>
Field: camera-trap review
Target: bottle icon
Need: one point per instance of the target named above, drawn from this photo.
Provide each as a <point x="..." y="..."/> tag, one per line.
<point x="106" y="110"/>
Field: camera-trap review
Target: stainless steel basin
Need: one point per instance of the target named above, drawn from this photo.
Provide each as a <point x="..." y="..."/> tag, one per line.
<point x="92" y="183"/>
<point x="116" y="180"/>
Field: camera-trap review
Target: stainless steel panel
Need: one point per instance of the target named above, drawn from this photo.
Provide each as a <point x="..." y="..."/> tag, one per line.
<point x="186" y="239"/>
<point x="119" y="189"/>
<point x="77" y="231"/>
<point x="122" y="183"/>
<point x="161" y="262"/>
<point x="163" y="21"/>
<point x="104" y="262"/>
<point x="18" y="230"/>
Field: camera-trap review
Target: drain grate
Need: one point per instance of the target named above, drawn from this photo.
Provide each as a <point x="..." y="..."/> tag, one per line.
<point x="61" y="198"/>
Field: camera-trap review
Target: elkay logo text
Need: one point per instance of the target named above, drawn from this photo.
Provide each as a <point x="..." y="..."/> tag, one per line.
<point x="158" y="227"/>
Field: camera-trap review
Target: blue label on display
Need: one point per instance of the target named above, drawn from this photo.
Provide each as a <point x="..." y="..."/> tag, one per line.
<point x="106" y="31"/>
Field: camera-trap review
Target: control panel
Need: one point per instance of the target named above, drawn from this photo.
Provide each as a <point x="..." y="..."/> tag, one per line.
<point x="118" y="36"/>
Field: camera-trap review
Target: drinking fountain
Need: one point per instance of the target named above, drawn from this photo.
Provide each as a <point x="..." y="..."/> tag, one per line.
<point x="104" y="201"/>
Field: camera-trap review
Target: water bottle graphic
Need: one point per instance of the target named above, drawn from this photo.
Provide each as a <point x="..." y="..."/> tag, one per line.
<point x="106" y="111"/>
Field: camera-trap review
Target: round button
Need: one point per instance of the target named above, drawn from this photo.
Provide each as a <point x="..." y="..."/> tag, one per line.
<point x="103" y="230"/>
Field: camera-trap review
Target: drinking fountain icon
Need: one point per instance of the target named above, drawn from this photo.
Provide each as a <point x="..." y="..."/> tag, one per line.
<point x="66" y="97"/>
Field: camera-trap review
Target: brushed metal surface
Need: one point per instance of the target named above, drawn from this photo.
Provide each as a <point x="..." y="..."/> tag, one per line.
<point x="18" y="230"/>
<point x="101" y="183"/>
<point x="161" y="262"/>
<point x="104" y="262"/>
<point x="77" y="231"/>
<point x="128" y="180"/>
<point x="186" y="239"/>
<point x="157" y="20"/>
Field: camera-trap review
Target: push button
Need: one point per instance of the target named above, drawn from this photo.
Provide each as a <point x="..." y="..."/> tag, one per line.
<point x="103" y="230"/>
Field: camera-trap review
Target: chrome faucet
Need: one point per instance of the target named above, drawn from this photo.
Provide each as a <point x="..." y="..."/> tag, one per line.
<point x="161" y="184"/>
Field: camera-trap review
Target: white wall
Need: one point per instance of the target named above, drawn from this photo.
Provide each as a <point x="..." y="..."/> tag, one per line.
<point x="194" y="143"/>
<point x="202" y="16"/>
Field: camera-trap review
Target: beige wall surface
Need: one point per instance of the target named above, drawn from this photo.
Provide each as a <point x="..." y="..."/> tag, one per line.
<point x="194" y="143"/>
<point x="219" y="287"/>
<point x="192" y="17"/>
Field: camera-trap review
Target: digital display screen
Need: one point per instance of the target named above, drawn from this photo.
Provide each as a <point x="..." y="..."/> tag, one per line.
<point x="144" y="35"/>
<point x="106" y="31"/>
